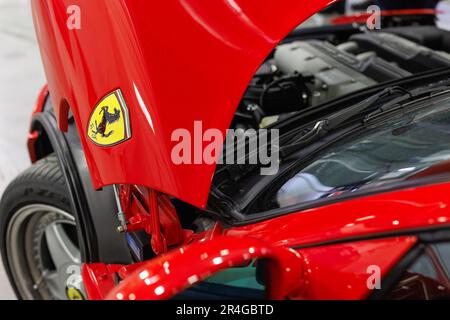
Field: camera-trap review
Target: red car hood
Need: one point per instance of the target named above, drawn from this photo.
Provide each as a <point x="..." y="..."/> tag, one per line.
<point x="174" y="61"/>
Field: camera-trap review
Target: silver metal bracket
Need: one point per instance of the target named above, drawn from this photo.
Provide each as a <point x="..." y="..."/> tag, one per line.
<point x="122" y="228"/>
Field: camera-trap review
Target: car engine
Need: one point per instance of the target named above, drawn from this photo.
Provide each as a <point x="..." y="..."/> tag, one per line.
<point x="306" y="73"/>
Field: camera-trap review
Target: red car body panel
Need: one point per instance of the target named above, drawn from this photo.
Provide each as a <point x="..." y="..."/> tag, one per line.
<point x="334" y="271"/>
<point x="423" y="207"/>
<point x="33" y="135"/>
<point x="176" y="61"/>
<point x="167" y="275"/>
<point x="342" y="266"/>
<point x="343" y="271"/>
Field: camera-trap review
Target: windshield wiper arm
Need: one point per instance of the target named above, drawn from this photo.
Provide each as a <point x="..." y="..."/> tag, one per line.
<point x="322" y="127"/>
<point x="420" y="93"/>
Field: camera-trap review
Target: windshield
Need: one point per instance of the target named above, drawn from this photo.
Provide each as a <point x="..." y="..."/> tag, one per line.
<point x="397" y="150"/>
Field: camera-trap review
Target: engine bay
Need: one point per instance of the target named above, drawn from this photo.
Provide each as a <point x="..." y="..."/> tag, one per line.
<point x="306" y="71"/>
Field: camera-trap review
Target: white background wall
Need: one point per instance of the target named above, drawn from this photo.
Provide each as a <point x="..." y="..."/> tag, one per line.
<point x="21" y="77"/>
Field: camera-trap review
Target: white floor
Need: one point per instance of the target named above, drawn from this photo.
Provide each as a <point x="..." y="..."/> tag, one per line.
<point x="21" y="77"/>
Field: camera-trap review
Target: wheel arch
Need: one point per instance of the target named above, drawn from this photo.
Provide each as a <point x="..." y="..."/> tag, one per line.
<point x="94" y="209"/>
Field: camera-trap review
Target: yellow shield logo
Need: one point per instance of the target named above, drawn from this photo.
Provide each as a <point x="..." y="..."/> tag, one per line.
<point x="74" y="294"/>
<point x="109" y="123"/>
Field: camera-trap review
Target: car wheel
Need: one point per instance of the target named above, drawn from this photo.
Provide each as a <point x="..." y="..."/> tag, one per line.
<point x="39" y="244"/>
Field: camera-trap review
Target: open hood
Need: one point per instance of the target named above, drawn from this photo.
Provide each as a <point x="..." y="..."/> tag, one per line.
<point x="159" y="66"/>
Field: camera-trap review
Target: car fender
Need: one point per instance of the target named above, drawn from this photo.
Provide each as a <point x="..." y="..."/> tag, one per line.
<point x="94" y="210"/>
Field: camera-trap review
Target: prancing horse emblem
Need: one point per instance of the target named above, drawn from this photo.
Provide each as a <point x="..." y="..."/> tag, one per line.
<point x="107" y="118"/>
<point x="109" y="122"/>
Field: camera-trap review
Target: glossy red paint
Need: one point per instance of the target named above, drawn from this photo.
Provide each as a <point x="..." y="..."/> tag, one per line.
<point x="98" y="279"/>
<point x="181" y="61"/>
<point x="342" y="265"/>
<point x="40" y="102"/>
<point x="416" y="208"/>
<point x="32" y="138"/>
<point x="343" y="271"/>
<point x="153" y="213"/>
<point x="169" y="274"/>
<point x="362" y="17"/>
<point x="348" y="271"/>
<point x="33" y="135"/>
<point x="176" y="61"/>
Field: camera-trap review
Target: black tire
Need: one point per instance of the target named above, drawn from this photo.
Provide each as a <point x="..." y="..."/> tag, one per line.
<point x="40" y="186"/>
